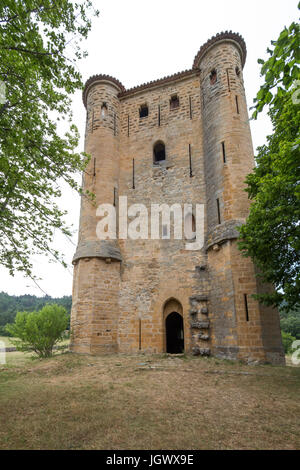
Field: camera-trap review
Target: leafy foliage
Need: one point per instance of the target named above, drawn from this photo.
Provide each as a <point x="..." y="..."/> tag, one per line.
<point x="290" y="322"/>
<point x="287" y="341"/>
<point x="11" y="304"/>
<point x="271" y="235"/>
<point x="39" y="47"/>
<point x="39" y="331"/>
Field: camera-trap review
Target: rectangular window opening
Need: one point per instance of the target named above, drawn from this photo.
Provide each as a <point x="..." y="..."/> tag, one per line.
<point x="174" y="102"/>
<point x="144" y="111"/>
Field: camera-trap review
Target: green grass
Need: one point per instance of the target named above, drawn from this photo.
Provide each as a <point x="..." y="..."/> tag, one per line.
<point x="20" y="359"/>
<point x="74" y="401"/>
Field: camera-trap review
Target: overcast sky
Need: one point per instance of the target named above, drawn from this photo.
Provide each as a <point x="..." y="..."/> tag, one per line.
<point x="141" y="40"/>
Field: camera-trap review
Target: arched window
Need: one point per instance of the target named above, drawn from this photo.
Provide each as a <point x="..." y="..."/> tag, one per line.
<point x="103" y="110"/>
<point x="159" y="152"/>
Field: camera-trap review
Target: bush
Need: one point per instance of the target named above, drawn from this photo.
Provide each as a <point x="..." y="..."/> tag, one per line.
<point x="39" y="331"/>
<point x="287" y="341"/>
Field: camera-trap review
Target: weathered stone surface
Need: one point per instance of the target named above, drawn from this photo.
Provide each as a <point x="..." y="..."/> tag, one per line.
<point x="203" y="337"/>
<point x="200" y="324"/>
<point x="198" y="298"/>
<point x="200" y="352"/>
<point x="193" y="311"/>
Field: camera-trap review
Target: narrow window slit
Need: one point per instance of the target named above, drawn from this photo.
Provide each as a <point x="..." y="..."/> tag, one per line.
<point x="115" y="124"/>
<point x="94" y="173"/>
<point x="190" y="159"/>
<point x="159" y="115"/>
<point x="219" y="214"/>
<point x="133" y="182"/>
<point x="237" y="104"/>
<point x="128" y="125"/>
<point x="191" y="112"/>
<point x="223" y="152"/>
<point x="140" y="334"/>
<point x="115" y="192"/>
<point x="246" y="307"/>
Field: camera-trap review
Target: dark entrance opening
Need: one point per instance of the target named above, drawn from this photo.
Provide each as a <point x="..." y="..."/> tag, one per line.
<point x="174" y="333"/>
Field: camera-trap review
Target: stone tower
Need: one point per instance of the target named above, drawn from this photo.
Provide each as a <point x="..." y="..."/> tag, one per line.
<point x="181" y="139"/>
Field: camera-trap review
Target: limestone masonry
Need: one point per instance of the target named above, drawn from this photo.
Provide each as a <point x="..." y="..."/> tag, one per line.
<point x="181" y="139"/>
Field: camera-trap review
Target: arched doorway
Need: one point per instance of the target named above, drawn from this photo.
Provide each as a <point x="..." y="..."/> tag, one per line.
<point x="174" y="333"/>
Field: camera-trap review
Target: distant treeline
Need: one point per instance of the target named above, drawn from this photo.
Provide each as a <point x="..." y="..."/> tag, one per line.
<point x="11" y="304"/>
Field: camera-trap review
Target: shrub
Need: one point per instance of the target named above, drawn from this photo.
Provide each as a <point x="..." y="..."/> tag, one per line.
<point x="287" y="341"/>
<point x="39" y="331"/>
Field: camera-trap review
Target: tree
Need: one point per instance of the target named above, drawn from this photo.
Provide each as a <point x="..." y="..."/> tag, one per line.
<point x="271" y="235"/>
<point x="39" y="331"/>
<point x="39" y="47"/>
<point x="287" y="341"/>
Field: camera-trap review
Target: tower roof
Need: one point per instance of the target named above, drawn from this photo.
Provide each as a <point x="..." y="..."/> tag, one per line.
<point x="100" y="78"/>
<point x="224" y="36"/>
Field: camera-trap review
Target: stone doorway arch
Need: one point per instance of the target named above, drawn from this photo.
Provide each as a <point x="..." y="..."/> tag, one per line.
<point x="173" y="326"/>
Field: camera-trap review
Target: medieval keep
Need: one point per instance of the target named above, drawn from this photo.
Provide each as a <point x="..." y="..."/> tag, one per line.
<point x="180" y="139"/>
